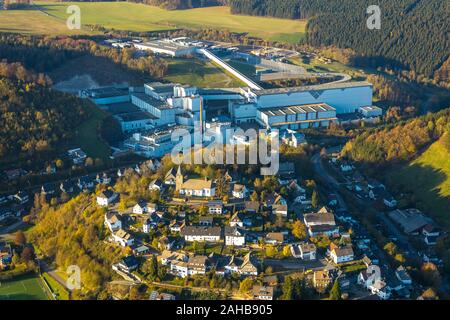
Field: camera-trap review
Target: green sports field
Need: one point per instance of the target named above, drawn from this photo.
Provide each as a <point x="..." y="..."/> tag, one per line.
<point x="24" y="288"/>
<point x="138" y="17"/>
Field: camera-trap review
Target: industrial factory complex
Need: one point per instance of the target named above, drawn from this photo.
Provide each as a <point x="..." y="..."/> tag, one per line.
<point x="149" y="114"/>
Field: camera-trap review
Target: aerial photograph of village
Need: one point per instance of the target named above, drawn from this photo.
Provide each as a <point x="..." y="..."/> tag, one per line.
<point x="225" y="150"/>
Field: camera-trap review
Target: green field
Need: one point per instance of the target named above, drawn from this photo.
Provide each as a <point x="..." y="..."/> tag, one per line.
<point x="428" y="178"/>
<point x="197" y="73"/>
<point x="139" y="17"/>
<point x="60" y="292"/>
<point x="24" y="288"/>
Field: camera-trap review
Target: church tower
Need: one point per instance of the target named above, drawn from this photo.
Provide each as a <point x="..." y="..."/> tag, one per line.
<point x="179" y="179"/>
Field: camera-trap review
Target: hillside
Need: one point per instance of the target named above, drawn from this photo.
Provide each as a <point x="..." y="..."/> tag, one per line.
<point x="427" y="179"/>
<point x="413" y="33"/>
<point x="142" y="18"/>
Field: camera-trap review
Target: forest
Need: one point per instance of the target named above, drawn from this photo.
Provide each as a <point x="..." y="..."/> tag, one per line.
<point x="43" y="54"/>
<point x="398" y="142"/>
<point x="412" y="36"/>
<point x="34" y="120"/>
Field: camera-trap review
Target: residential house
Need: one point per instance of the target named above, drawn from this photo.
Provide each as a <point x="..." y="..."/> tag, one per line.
<point x="177" y="225"/>
<point x="237" y="220"/>
<point x="403" y="276"/>
<point x="246" y="266"/>
<point x="141" y="250"/>
<point x="171" y="177"/>
<point x="6" y="255"/>
<point x="431" y="234"/>
<point x="67" y="186"/>
<point x="305" y="251"/>
<point x="286" y="170"/>
<point x="156" y="185"/>
<point x="106" y="198"/>
<point x="85" y="183"/>
<point x="167" y="257"/>
<point x="128" y="264"/>
<point x="321" y="223"/>
<point x="155" y="295"/>
<point x="201" y="234"/>
<point x="252" y="206"/>
<point x="77" y="156"/>
<point x="103" y="179"/>
<point x="22" y="197"/>
<point x="280" y="210"/>
<point x="206" y="221"/>
<point x="388" y="200"/>
<point x="262" y="293"/>
<point x="230" y="177"/>
<point x="274" y="238"/>
<point x="234" y="236"/>
<point x="374" y="283"/>
<point x="112" y="221"/>
<point x="341" y="255"/>
<point x="48" y="189"/>
<point x="197" y="188"/>
<point x="239" y="191"/>
<point x="323" y="230"/>
<point x="143" y="207"/>
<point x="197" y="265"/>
<point x="322" y="279"/>
<point x="215" y="207"/>
<point x="123" y="238"/>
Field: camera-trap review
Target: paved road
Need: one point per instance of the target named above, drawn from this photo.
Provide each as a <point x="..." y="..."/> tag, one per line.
<point x="297" y="264"/>
<point x="327" y="178"/>
<point x="46" y="268"/>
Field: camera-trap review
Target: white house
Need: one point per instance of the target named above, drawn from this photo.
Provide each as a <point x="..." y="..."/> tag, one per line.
<point x="305" y="251"/>
<point x="237" y="220"/>
<point x="201" y="234"/>
<point x="342" y="255"/>
<point x="156" y="185"/>
<point x="106" y="198"/>
<point x="239" y="191"/>
<point x="215" y="207"/>
<point x="123" y="238"/>
<point x="112" y="221"/>
<point x="234" y="237"/>
<point x="280" y="210"/>
<point x="144" y="207"/>
<point x="198" y="188"/>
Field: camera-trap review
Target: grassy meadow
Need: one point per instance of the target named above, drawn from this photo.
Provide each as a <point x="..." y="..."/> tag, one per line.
<point x="139" y="17"/>
<point x="428" y="178"/>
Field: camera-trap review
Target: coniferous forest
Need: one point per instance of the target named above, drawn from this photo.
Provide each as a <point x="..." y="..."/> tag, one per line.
<point x="412" y="36"/>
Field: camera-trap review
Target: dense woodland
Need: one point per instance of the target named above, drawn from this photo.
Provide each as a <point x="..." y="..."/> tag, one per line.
<point x="43" y="54"/>
<point x="34" y="120"/>
<point x="413" y="33"/>
<point x="398" y="142"/>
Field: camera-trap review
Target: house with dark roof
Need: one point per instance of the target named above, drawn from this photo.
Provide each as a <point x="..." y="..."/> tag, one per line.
<point x="106" y="198"/>
<point x="201" y="234"/>
<point x="263" y="293"/>
<point x="234" y="236"/>
<point x="128" y="264"/>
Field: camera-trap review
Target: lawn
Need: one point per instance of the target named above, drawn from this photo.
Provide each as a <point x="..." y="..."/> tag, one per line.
<point x="428" y="178"/>
<point x="24" y="288"/>
<point x="60" y="292"/>
<point x="139" y="17"/>
<point x="201" y="74"/>
<point x="35" y="22"/>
